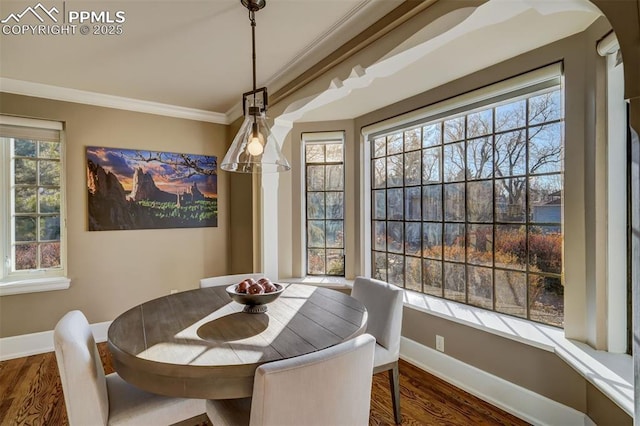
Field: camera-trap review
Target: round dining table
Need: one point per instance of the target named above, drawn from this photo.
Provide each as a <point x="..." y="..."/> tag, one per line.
<point x="199" y="343"/>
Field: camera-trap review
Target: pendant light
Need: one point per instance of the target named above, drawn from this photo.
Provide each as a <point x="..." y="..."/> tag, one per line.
<point x="254" y="149"/>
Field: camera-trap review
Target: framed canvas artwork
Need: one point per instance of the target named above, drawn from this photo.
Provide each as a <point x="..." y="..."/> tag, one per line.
<point x="135" y="189"/>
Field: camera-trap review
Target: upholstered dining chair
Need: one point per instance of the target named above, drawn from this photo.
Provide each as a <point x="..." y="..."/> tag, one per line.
<point x="227" y="279"/>
<point x="384" y="308"/>
<point x="91" y="398"/>
<point x="328" y="387"/>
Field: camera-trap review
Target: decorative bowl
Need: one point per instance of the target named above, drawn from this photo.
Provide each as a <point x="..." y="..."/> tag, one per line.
<point x="254" y="303"/>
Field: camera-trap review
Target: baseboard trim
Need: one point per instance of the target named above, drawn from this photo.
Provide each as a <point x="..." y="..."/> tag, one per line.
<point x="521" y="402"/>
<point x="38" y="343"/>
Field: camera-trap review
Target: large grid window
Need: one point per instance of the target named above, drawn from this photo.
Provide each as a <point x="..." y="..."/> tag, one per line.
<point x="33" y="194"/>
<point x="324" y="191"/>
<point x="468" y="207"/>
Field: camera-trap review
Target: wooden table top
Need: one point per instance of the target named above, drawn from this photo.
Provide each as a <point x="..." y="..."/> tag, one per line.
<point x="199" y="343"/>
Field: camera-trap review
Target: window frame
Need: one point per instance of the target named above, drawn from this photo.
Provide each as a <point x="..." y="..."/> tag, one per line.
<point x="511" y="88"/>
<point x="36" y="280"/>
<point x="308" y="138"/>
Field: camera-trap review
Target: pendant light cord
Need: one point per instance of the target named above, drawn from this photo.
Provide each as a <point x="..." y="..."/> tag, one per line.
<point x="252" y="18"/>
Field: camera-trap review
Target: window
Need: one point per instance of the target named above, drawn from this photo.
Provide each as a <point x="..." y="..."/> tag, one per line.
<point x="33" y="185"/>
<point x="324" y="194"/>
<point x="467" y="204"/>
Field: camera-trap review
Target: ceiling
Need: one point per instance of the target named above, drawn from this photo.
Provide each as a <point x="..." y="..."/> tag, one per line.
<point x="194" y="54"/>
<point x="197" y="54"/>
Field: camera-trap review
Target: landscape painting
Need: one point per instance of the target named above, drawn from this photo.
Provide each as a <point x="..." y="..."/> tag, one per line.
<point x="135" y="189"/>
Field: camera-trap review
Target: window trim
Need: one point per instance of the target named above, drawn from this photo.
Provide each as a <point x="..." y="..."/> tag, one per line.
<point x="310" y="137"/>
<point x="539" y="78"/>
<point x="33" y="285"/>
<point x="585" y="318"/>
<point x="40" y="280"/>
<point x="520" y="87"/>
<point x="616" y="194"/>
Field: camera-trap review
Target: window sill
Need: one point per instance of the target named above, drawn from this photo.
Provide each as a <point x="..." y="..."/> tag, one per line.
<point x="33" y="285"/>
<point x="329" y="282"/>
<point x="610" y="373"/>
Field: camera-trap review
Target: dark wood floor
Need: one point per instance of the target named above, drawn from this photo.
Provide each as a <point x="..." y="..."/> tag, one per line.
<point x="32" y="395"/>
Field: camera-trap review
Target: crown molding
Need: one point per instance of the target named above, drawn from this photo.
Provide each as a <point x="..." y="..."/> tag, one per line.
<point x="283" y="75"/>
<point x="234" y="112"/>
<point x="38" y="90"/>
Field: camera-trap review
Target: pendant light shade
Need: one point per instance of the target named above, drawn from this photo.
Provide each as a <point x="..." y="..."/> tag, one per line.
<point x="254" y="149"/>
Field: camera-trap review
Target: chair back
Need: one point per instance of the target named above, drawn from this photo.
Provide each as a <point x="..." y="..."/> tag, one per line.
<point x="384" y="308"/>
<point x="328" y="387"/>
<point x="227" y="279"/>
<point x="81" y="373"/>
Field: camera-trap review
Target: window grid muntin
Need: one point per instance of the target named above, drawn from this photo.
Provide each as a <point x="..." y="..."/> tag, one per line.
<point x="527" y="222"/>
<point x="38" y="241"/>
<point x="325" y="191"/>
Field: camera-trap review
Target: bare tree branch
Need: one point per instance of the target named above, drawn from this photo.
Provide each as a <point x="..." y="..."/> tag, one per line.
<point x="183" y="165"/>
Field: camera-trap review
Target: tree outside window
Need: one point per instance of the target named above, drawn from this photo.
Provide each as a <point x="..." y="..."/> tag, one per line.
<point x="469" y="207"/>
<point x="36" y="204"/>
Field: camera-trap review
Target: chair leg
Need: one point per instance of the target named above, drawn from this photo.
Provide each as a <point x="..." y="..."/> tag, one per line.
<point x="394" y="384"/>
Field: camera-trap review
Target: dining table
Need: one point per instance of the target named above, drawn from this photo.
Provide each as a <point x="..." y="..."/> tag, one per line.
<point x="200" y="344"/>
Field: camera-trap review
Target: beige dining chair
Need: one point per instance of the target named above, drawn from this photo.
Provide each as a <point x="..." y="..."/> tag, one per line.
<point x="227" y="279"/>
<point x="328" y="387"/>
<point x="384" y="303"/>
<point x="91" y="398"/>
